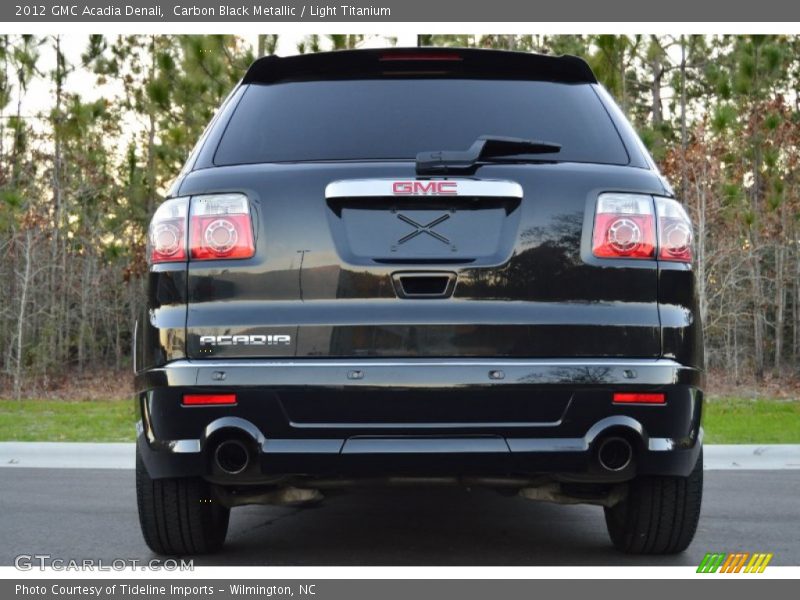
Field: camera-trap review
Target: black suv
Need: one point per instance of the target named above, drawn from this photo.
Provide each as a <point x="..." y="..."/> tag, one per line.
<point x="419" y="266"/>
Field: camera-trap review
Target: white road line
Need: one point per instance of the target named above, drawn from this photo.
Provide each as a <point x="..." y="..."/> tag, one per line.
<point x="747" y="456"/>
<point x="75" y="455"/>
<point x="67" y="455"/>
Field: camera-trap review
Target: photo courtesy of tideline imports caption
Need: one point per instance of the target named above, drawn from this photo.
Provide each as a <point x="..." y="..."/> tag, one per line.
<point x="147" y="589"/>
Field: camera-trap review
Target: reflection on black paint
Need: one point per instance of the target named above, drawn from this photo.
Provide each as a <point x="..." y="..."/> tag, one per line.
<point x="580" y="375"/>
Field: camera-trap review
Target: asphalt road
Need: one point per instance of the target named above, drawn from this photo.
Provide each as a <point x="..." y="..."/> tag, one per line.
<point x="91" y="513"/>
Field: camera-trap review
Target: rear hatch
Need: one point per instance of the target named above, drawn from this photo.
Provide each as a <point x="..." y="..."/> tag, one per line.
<point x="358" y="254"/>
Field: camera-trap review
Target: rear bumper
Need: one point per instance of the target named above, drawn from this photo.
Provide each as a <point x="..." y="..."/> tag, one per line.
<point x="383" y="418"/>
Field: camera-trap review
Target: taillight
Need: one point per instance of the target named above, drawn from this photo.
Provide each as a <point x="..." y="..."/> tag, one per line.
<point x="166" y="238"/>
<point x="624" y="226"/>
<point x="674" y="231"/>
<point x="221" y="227"/>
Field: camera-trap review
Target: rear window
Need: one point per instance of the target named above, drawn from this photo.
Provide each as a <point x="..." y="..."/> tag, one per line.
<point x="396" y="119"/>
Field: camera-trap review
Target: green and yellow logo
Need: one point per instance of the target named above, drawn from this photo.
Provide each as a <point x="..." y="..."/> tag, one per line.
<point x="738" y="562"/>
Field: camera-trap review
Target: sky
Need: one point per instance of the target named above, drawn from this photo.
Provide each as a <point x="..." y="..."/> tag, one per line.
<point x="38" y="99"/>
<point x="40" y="91"/>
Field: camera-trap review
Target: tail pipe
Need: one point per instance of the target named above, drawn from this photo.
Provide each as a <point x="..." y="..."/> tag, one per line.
<point x="232" y="456"/>
<point x="614" y="453"/>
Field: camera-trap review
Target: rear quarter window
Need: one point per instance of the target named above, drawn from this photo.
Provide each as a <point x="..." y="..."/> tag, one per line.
<point x="396" y="119"/>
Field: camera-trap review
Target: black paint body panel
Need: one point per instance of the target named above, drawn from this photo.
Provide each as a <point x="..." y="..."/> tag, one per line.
<point x="523" y="285"/>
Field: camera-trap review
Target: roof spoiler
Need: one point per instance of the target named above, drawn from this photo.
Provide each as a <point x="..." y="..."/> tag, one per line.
<point x="420" y="62"/>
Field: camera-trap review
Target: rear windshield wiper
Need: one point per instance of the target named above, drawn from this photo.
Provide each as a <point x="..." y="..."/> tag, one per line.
<point x="485" y="148"/>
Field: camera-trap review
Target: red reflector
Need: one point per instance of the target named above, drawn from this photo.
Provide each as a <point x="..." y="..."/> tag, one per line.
<point x="431" y="56"/>
<point x="637" y="398"/>
<point x="201" y="399"/>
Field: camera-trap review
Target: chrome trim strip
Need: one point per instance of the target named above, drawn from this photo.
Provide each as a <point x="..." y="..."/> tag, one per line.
<point x="444" y="425"/>
<point x="547" y="444"/>
<point x="379" y="188"/>
<point x="177" y="446"/>
<point x="467" y="445"/>
<point x="613" y="421"/>
<point x="236" y="423"/>
<point x="334" y="446"/>
<point x="185" y="446"/>
<point x="302" y="446"/>
<point x="337" y="446"/>
<point x="661" y="444"/>
<point x="580" y="444"/>
<point x="367" y="362"/>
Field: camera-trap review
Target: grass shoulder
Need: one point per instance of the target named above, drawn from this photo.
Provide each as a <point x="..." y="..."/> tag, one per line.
<point x="739" y="420"/>
<point x="30" y="420"/>
<point x="727" y="420"/>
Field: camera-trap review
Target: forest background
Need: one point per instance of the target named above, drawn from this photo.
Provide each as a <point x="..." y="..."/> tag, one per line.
<point x="90" y="140"/>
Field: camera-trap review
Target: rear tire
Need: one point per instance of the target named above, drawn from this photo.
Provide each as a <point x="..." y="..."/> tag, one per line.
<point x="660" y="514"/>
<point x="179" y="516"/>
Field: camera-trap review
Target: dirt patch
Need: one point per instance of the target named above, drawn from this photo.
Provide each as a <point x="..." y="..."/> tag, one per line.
<point x="97" y="384"/>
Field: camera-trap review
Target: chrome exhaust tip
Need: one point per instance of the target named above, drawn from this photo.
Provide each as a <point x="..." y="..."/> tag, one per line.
<point x="232" y="457"/>
<point x="615" y="454"/>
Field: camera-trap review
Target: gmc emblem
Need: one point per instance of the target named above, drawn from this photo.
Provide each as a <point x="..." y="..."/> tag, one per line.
<point x="425" y="188"/>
